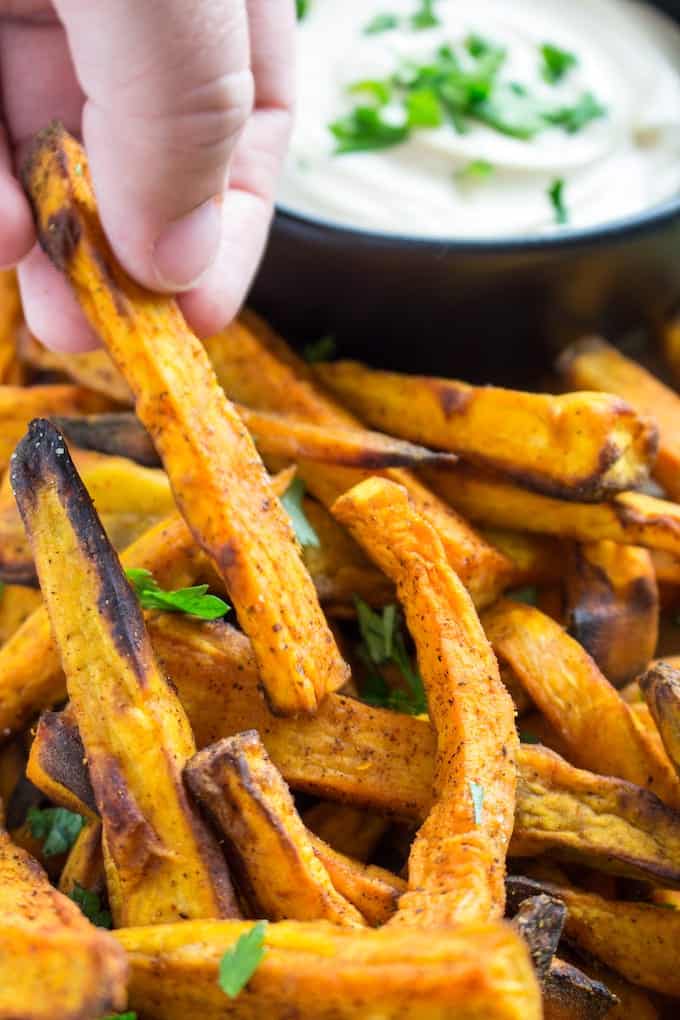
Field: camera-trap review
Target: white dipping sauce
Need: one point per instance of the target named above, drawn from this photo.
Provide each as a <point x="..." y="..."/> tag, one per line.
<point x="623" y="163"/>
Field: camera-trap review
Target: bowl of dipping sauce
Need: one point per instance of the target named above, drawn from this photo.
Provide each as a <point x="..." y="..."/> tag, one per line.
<point x="478" y="180"/>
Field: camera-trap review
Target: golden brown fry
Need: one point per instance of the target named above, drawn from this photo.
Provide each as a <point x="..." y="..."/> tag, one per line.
<point x="12" y="770"/>
<point x="18" y="405"/>
<point x="220" y="484"/>
<point x="456" y="864"/>
<point x="536" y="559"/>
<point x="236" y="783"/>
<point x="85" y="863"/>
<point x="569" y="994"/>
<point x="570" y="691"/>
<point x="10" y="318"/>
<point x="53" y="962"/>
<point x="632" y="1001"/>
<point x="670" y="342"/>
<point x="374" y="891"/>
<point x="660" y="686"/>
<point x="577" y="446"/>
<point x="631" y="518"/>
<point x="130" y="499"/>
<point x="613" y="607"/>
<point x="161" y="861"/>
<point x="347" y="829"/>
<point x="256" y="368"/>
<point x="593" y="364"/>
<point x="472" y="972"/>
<point x="120" y="434"/>
<point x="93" y="369"/>
<point x="16" y="605"/>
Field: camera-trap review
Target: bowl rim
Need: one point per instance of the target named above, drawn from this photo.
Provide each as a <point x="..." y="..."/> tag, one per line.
<point x="649" y="220"/>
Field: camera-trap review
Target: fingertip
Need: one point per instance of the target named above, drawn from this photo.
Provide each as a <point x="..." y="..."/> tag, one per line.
<point x="51" y="311"/>
<point x="17" y="233"/>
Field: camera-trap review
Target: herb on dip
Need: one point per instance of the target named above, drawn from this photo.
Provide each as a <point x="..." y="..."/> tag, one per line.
<point x="425" y="17"/>
<point x="556" y="196"/>
<point x="381" y="23"/>
<point x="556" y="62"/>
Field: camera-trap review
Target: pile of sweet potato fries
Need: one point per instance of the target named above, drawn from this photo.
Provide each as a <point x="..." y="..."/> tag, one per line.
<point x="322" y="721"/>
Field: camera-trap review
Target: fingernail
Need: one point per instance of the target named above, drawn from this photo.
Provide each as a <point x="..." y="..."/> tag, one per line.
<point x="187" y="247"/>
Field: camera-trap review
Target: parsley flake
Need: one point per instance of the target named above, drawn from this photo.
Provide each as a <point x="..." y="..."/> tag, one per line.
<point x="193" y="601"/>
<point x="372" y="88"/>
<point x="90" y="904"/>
<point x="56" y="826"/>
<point x="574" y="118"/>
<point x="381" y="23"/>
<point x="477" y="170"/>
<point x="477" y="794"/>
<point x="121" y="1016"/>
<point x="323" y="349"/>
<point x="557" y="63"/>
<point x="367" y="128"/>
<point x="425" y="17"/>
<point x="239" y="963"/>
<point x="556" y="196"/>
<point x="423" y="109"/>
<point x="302" y="9"/>
<point x="292" y="503"/>
<point x="383" y="643"/>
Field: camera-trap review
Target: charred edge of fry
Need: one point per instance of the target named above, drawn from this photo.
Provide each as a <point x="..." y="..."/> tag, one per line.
<point x="120" y="434"/>
<point x="58" y="753"/>
<point x="569" y="993"/>
<point x="660" y="686"/>
<point x="540" y="920"/>
<point x="41" y="459"/>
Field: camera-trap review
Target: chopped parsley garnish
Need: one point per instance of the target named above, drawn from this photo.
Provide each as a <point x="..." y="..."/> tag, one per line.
<point x="121" y="1016"/>
<point x="194" y="601"/>
<point x="425" y="17"/>
<point x="556" y="63"/>
<point x="301" y="8"/>
<point x="424" y="109"/>
<point x="292" y="502"/>
<point x="477" y="170"/>
<point x="57" y="827"/>
<point x="477" y="794"/>
<point x="90" y="904"/>
<point x="239" y="963"/>
<point x="381" y="23"/>
<point x="556" y="196"/>
<point x="574" y="118"/>
<point x="383" y="644"/>
<point x="321" y="350"/>
<point x="372" y="88"/>
<point x="367" y="128"/>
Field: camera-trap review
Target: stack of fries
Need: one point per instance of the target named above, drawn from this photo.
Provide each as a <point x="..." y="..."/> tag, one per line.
<point x="421" y="764"/>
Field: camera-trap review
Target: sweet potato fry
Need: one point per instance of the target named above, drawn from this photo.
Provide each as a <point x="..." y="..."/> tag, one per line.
<point x="347" y="829"/>
<point x="566" y="685"/>
<point x="161" y="861"/>
<point x="18" y="405"/>
<point x="569" y="994"/>
<point x="120" y="434"/>
<point x="536" y="559"/>
<point x="10" y="319"/>
<point x="16" y="605"/>
<point x="374" y="891"/>
<point x="53" y="962"/>
<point x="456" y="863"/>
<point x="130" y="499"/>
<point x="631" y="518"/>
<point x="660" y="686"/>
<point x="632" y="1000"/>
<point x="670" y="342"/>
<point x="540" y="920"/>
<point x="256" y="368"/>
<point x="92" y="369"/>
<point x="577" y="446"/>
<point x="612" y="607"/>
<point x="593" y="364"/>
<point x="472" y="972"/>
<point x="236" y="783"/>
<point x="220" y="484"/>
<point x="85" y="863"/>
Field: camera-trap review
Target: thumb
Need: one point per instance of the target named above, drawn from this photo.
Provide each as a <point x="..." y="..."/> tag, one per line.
<point x="168" y="87"/>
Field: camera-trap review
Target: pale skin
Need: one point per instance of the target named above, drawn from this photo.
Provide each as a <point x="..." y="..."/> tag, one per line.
<point x="184" y="109"/>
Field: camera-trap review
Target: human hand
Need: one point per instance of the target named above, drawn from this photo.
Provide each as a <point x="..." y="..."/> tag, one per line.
<point x="184" y="110"/>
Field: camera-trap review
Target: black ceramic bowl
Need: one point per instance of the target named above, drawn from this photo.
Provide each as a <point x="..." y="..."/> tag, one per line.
<point x="488" y="310"/>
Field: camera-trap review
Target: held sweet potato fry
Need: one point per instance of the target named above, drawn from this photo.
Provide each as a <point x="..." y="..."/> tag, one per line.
<point x="568" y="688"/>
<point x="219" y="482"/>
<point x="247" y="798"/>
<point x="456" y="864"/>
<point x="577" y="446"/>
<point x="612" y="606"/>
<point x="470" y="972"/>
<point x="161" y="861"/>
<point x="258" y="369"/>
<point x="53" y="962"/>
<point x="660" y="686"/>
<point x="630" y="518"/>
<point x="593" y="364"/>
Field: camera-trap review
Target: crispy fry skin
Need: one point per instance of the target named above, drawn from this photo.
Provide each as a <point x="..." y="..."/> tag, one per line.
<point x="256" y="368"/>
<point x="613" y="607"/>
<point x="18" y="405"/>
<point x="85" y="863"/>
<point x="373" y="891"/>
<point x="161" y="861"/>
<point x="631" y="518"/>
<point x="569" y="994"/>
<point x="130" y="499"/>
<point x="660" y="686"/>
<point x="53" y="962"/>
<point x="577" y="446"/>
<point x="457" y="861"/>
<point x="593" y="364"/>
<point x="93" y="369"/>
<point x="16" y="605"/>
<point x="220" y="484"/>
<point x="570" y="691"/>
<point x="235" y="781"/>
<point x="472" y="972"/>
<point x="347" y="829"/>
<point x="10" y="318"/>
<point x="540" y="920"/>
